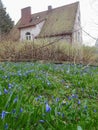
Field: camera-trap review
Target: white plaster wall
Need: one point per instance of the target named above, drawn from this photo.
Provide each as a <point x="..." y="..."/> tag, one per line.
<point x="34" y="30"/>
<point x="77" y="29"/>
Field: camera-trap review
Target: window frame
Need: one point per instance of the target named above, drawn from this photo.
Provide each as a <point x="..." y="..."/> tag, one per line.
<point x="28" y="36"/>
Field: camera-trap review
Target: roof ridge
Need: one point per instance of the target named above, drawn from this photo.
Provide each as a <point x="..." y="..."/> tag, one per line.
<point x="77" y="2"/>
<point x="66" y="5"/>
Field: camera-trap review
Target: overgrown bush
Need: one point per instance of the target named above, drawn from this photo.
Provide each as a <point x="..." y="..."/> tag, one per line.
<point x="45" y="50"/>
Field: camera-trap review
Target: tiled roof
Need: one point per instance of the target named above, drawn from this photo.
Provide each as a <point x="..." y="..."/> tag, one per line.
<point x="60" y="20"/>
<point x="57" y="21"/>
<point x="36" y="18"/>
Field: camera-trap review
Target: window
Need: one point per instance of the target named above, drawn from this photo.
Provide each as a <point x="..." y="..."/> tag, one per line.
<point x="28" y="36"/>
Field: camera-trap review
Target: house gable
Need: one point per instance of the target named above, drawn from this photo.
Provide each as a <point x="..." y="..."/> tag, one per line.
<point x="30" y="32"/>
<point x="77" y="31"/>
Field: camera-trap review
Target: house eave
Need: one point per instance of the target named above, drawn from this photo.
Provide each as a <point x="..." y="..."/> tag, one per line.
<point x="26" y="26"/>
<point x="30" y="24"/>
<point x="54" y="35"/>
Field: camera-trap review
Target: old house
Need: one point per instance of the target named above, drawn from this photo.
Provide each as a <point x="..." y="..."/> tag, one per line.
<point x="59" y="22"/>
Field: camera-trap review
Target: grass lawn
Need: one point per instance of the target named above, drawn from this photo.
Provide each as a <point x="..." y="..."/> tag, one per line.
<point x="36" y="96"/>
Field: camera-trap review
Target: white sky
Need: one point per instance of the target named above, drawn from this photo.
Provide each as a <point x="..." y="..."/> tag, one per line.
<point x="88" y="8"/>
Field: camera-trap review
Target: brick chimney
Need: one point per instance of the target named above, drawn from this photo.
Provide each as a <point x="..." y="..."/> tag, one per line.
<point x="25" y="15"/>
<point x="49" y="8"/>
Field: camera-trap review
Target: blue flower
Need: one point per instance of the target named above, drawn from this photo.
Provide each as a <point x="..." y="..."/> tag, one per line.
<point x="48" y="108"/>
<point x="62" y="81"/>
<point x="59" y="113"/>
<point x="95" y="110"/>
<point x="69" y="98"/>
<point x="39" y="97"/>
<point x="74" y="96"/>
<point x="21" y="110"/>
<point x="13" y="111"/>
<point x="5" y="91"/>
<point x="63" y="115"/>
<point x="19" y="73"/>
<point x="3" y="114"/>
<point x="79" y="102"/>
<point x="57" y="99"/>
<point x="9" y="86"/>
<point x="41" y="121"/>
<point x="15" y="100"/>
<point x="6" y="126"/>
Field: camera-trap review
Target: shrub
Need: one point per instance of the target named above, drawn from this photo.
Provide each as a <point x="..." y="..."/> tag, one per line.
<point x="45" y="50"/>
